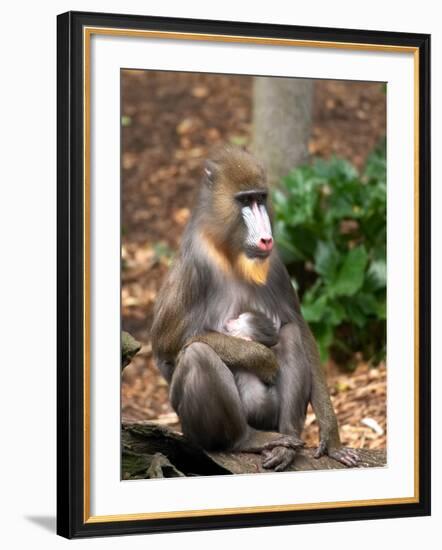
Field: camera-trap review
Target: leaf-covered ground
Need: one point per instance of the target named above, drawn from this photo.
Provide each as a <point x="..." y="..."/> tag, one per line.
<point x="170" y="121"/>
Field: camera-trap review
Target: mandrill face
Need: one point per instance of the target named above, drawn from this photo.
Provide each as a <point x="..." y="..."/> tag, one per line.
<point x="258" y="238"/>
<point x="236" y="202"/>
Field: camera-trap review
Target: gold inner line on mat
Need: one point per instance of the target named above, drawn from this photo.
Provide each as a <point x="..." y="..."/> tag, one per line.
<point x="87" y="33"/>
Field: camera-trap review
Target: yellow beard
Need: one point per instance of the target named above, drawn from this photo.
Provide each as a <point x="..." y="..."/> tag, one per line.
<point x="252" y="270"/>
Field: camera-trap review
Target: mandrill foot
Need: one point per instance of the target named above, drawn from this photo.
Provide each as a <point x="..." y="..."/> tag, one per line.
<point x="344" y="455"/>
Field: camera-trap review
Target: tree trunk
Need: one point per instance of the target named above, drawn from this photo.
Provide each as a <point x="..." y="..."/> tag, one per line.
<point x="281" y="123"/>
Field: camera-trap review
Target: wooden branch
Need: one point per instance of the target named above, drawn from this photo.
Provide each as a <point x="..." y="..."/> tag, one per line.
<point x="129" y="348"/>
<point x="172" y="454"/>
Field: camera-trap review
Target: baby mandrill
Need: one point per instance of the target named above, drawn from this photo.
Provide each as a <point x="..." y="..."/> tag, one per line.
<point x="254" y="326"/>
<point x="254" y="357"/>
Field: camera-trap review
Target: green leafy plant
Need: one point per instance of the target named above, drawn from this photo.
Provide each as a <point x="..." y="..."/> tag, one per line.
<point x="330" y="225"/>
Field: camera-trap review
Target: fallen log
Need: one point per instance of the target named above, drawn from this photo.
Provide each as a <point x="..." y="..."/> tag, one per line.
<point x="150" y="450"/>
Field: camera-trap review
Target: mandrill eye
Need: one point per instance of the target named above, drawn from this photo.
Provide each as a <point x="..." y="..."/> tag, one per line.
<point x="247" y="198"/>
<point x="243" y="199"/>
<point x="261" y="198"/>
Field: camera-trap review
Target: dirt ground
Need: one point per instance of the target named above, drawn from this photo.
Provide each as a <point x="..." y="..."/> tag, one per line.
<point x="170" y="121"/>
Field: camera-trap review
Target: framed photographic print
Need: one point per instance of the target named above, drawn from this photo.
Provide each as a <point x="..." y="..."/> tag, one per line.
<point x="243" y="274"/>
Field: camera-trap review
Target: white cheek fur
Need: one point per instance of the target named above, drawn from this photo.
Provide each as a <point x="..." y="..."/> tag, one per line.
<point x="253" y="228"/>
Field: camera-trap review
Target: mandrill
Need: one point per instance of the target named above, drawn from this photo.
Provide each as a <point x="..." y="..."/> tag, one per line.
<point x="227" y="390"/>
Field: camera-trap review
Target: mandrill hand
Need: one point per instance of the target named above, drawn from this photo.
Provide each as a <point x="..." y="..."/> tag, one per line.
<point x="344" y="455"/>
<point x="278" y="458"/>
<point x="280" y="453"/>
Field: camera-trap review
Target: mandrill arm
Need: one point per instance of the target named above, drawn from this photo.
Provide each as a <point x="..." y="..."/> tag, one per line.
<point x="329" y="440"/>
<point x="237" y="353"/>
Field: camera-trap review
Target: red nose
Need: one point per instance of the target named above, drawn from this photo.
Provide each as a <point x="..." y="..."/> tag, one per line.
<point x="265" y="243"/>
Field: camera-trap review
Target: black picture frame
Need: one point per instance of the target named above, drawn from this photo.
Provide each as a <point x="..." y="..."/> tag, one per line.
<point x="71" y="519"/>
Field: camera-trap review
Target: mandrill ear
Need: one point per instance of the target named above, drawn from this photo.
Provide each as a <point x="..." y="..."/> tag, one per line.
<point x="210" y="172"/>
